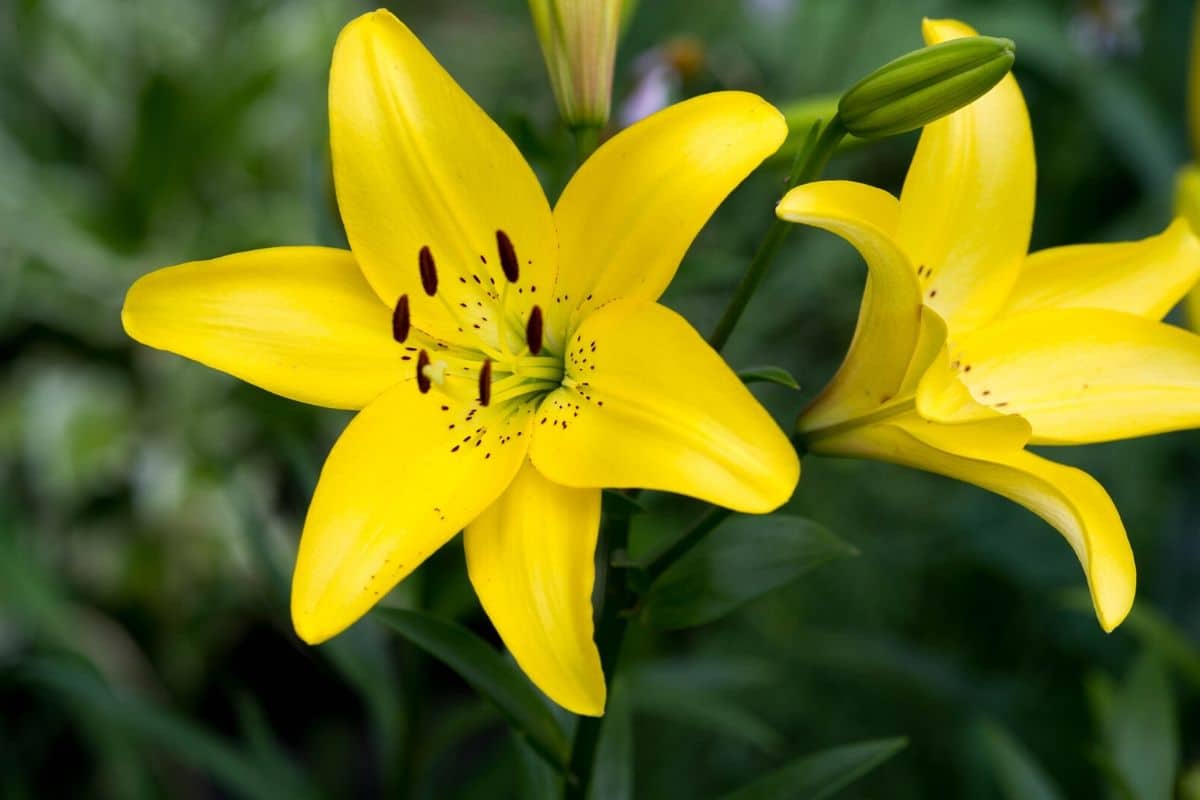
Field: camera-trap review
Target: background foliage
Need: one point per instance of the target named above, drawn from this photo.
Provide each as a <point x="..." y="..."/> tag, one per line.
<point x="149" y="507"/>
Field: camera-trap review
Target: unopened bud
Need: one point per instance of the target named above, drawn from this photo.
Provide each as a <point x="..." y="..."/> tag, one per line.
<point x="925" y="85"/>
<point x="579" y="42"/>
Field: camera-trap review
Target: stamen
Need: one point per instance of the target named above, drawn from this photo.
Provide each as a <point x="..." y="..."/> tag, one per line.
<point x="401" y="320"/>
<point x="508" y="257"/>
<point x="423" y="382"/>
<point x="533" y="330"/>
<point x="428" y="271"/>
<point x="485" y="383"/>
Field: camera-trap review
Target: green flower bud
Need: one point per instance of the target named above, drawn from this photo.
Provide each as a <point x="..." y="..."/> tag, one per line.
<point x="579" y="42"/>
<point x="925" y="85"/>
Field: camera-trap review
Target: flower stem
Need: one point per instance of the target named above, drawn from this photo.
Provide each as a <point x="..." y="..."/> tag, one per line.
<point x="810" y="161"/>
<point x="610" y="634"/>
<point x="618" y="596"/>
<point x="657" y="564"/>
<point x="587" y="139"/>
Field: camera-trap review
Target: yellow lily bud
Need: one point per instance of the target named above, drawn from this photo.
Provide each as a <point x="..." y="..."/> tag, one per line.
<point x="925" y="85"/>
<point x="579" y="42"/>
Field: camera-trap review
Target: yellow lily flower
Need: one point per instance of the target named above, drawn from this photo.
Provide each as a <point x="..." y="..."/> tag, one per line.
<point x="967" y="349"/>
<point x="509" y="360"/>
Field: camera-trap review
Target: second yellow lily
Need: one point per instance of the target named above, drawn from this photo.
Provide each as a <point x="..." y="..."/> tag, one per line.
<point x="967" y="349"/>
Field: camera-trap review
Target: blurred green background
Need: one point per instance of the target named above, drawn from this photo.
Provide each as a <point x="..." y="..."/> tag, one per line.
<point x="149" y="507"/>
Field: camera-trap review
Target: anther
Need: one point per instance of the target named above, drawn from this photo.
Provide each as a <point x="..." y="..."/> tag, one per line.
<point x="485" y="383"/>
<point x="428" y="271"/>
<point x="508" y="257"/>
<point x="533" y="330"/>
<point x="423" y="382"/>
<point x="401" y="320"/>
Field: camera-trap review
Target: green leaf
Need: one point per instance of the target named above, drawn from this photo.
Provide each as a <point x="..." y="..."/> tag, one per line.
<point x="703" y="693"/>
<point x="612" y="775"/>
<point x="268" y="776"/>
<point x="1142" y="731"/>
<point x="1019" y="776"/>
<point x="822" y="774"/>
<point x="769" y="374"/>
<point x="1157" y="633"/>
<point x="742" y="559"/>
<point x="488" y="673"/>
<point x="537" y="779"/>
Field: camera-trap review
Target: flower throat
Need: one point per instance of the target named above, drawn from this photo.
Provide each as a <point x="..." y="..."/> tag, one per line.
<point x="511" y="366"/>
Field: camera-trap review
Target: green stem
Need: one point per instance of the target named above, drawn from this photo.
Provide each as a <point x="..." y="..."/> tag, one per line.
<point x="658" y="563"/>
<point x="810" y="161"/>
<point x="587" y="139"/>
<point x="610" y="634"/>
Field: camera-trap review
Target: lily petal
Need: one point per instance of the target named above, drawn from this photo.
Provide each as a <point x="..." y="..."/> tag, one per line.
<point x="630" y="213"/>
<point x="405" y="476"/>
<point x="297" y="321"/>
<point x="1078" y="375"/>
<point x="531" y="558"/>
<point x="930" y="345"/>
<point x="988" y="455"/>
<point x="1148" y="277"/>
<point x="889" y="322"/>
<point x="417" y="164"/>
<point x="966" y="211"/>
<point x="647" y="403"/>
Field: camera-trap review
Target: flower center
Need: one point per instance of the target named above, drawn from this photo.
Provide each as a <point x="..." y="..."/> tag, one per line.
<point x="510" y="362"/>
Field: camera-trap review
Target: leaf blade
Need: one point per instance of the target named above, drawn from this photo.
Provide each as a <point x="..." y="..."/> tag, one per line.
<point x="769" y="374"/>
<point x="488" y="673"/>
<point x="820" y="775"/>
<point x="742" y="559"/>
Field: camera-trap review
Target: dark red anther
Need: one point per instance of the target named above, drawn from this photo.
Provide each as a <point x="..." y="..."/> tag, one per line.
<point x="508" y="257"/>
<point x="533" y="330"/>
<point x="485" y="383"/>
<point x="428" y="271"/>
<point x="401" y="320"/>
<point x="423" y="382"/>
